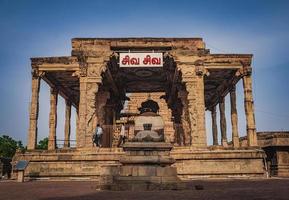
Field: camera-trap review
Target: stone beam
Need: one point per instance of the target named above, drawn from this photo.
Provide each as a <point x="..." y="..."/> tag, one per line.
<point x="69" y="63"/>
<point x="215" y="61"/>
<point x="58" y="67"/>
<point x="220" y="61"/>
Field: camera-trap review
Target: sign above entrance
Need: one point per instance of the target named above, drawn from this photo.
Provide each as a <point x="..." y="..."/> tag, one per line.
<point x="140" y="59"/>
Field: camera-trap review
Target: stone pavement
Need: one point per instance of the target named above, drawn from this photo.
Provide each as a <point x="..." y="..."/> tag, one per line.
<point x="212" y="189"/>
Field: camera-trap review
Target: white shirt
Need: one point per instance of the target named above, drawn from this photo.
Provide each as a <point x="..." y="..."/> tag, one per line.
<point x="122" y="130"/>
<point x="99" y="130"/>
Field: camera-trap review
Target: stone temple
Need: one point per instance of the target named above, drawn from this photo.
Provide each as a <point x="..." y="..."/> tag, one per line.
<point x="106" y="80"/>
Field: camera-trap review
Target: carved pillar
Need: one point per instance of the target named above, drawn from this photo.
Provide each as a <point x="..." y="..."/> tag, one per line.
<point x="177" y="113"/>
<point x="67" y="123"/>
<point x="87" y="114"/>
<point x="183" y="95"/>
<point x="214" y="126"/>
<point x="80" y="136"/>
<point x="34" y="108"/>
<point x="87" y="117"/>
<point x="52" y="119"/>
<point x="249" y="107"/>
<point x="194" y="83"/>
<point x="234" y="118"/>
<point x="90" y="77"/>
<point x="100" y="102"/>
<point x="166" y="113"/>
<point x="223" y="122"/>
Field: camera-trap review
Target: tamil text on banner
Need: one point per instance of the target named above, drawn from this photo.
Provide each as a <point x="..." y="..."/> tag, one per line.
<point x="140" y="59"/>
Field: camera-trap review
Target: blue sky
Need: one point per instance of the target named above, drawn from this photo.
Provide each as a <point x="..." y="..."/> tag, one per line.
<point x="44" y="28"/>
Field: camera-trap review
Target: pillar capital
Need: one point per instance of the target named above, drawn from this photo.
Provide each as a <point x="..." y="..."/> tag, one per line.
<point x="191" y="72"/>
<point x="36" y="73"/>
<point x="246" y="70"/>
<point x="53" y="90"/>
<point x="221" y="99"/>
<point x="68" y="102"/>
<point x="82" y="66"/>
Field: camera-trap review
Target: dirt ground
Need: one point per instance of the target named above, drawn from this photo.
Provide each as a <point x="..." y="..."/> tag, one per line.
<point x="212" y="189"/>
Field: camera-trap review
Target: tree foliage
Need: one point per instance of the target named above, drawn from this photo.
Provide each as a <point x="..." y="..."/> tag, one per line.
<point x="8" y="146"/>
<point x="43" y="144"/>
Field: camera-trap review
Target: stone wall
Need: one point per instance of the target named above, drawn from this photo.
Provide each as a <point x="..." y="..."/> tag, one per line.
<point x="99" y="164"/>
<point x="276" y="146"/>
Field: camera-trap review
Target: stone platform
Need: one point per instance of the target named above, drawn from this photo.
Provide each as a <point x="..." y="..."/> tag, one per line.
<point x="103" y="163"/>
<point x="145" y="166"/>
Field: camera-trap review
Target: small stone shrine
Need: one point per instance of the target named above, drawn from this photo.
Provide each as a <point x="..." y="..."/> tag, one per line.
<point x="146" y="164"/>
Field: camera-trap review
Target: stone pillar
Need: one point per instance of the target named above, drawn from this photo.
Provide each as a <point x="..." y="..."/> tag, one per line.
<point x="109" y="124"/>
<point x="249" y="107"/>
<point x="214" y="126"/>
<point x="34" y="108"/>
<point x="194" y="83"/>
<point x="87" y="112"/>
<point x="100" y="102"/>
<point x="52" y="119"/>
<point x="166" y="113"/>
<point x="76" y="122"/>
<point x="234" y="118"/>
<point x="90" y="77"/>
<point x="67" y="123"/>
<point x="80" y="136"/>
<point x="187" y="139"/>
<point x="223" y="122"/>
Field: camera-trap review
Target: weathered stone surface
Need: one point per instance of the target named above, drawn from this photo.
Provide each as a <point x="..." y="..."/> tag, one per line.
<point x="52" y="119"/>
<point x="189" y="163"/>
<point x="34" y="108"/>
<point x="276" y="146"/>
<point x="249" y="108"/>
<point x="190" y="81"/>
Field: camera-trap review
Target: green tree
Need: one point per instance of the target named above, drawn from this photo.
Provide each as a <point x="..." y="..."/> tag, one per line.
<point x="8" y="146"/>
<point x="43" y="144"/>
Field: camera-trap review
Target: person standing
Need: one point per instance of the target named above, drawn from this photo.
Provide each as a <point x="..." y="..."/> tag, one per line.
<point x="122" y="136"/>
<point x="97" y="136"/>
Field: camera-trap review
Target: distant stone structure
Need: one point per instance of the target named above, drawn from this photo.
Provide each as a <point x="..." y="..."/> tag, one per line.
<point x="180" y="74"/>
<point x="276" y="146"/>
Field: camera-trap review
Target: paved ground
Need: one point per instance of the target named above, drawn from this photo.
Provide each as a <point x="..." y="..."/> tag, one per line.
<point x="213" y="189"/>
